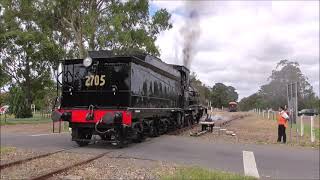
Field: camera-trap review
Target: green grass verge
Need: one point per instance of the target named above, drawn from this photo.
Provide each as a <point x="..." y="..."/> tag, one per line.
<point x="11" y="120"/>
<point x="307" y="130"/>
<point x="200" y="173"/>
<point x="6" y="149"/>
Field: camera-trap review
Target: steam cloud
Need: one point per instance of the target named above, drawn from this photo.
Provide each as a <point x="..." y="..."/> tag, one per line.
<point x="191" y="33"/>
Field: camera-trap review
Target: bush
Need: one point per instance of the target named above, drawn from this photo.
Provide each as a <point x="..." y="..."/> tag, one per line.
<point x="19" y="105"/>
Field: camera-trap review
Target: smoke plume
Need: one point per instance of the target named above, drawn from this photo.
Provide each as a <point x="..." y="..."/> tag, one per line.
<point x="191" y="33"/>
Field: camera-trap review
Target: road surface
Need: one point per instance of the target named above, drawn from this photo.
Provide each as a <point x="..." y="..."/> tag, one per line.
<point x="264" y="161"/>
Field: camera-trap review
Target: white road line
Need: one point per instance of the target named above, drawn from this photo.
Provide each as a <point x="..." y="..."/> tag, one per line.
<point x="34" y="135"/>
<point x="249" y="164"/>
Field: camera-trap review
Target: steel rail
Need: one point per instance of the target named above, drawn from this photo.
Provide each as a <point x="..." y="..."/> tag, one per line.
<point x="66" y="168"/>
<point x="223" y="123"/>
<point x="178" y="131"/>
<point x="30" y="159"/>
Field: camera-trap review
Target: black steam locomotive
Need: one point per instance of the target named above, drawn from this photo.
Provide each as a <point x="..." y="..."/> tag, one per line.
<point x="125" y="98"/>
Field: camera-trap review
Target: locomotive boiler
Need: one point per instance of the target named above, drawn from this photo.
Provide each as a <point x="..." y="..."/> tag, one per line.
<point x="124" y="98"/>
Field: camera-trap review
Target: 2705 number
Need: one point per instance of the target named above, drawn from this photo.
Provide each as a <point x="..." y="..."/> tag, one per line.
<point x="95" y="80"/>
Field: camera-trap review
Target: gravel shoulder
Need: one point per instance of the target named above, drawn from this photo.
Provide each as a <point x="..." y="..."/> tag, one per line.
<point x="119" y="168"/>
<point x="15" y="154"/>
<point x="111" y="166"/>
<point x="40" y="166"/>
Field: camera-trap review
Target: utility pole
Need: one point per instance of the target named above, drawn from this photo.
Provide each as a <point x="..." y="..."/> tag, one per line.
<point x="293" y="106"/>
<point x="291" y="112"/>
<point x="0" y="104"/>
<point x="288" y="97"/>
<point x="296" y="114"/>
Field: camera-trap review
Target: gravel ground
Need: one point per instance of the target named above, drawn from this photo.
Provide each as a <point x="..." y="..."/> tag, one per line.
<point x="252" y="129"/>
<point x="17" y="154"/>
<point x="215" y="136"/>
<point x="111" y="166"/>
<point x="39" y="166"/>
<point x="119" y="168"/>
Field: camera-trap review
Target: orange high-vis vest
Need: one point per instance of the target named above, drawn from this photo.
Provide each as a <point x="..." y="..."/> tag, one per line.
<point x="282" y="120"/>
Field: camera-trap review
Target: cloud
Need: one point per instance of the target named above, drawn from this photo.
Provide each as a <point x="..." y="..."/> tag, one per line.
<point x="242" y="41"/>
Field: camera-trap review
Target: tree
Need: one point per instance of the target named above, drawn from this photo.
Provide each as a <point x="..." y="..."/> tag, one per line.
<point x="275" y="92"/>
<point x="28" y="50"/>
<point x="202" y="89"/>
<point x="18" y="103"/>
<point x="34" y="34"/>
<point x="221" y="95"/>
<point x="108" y="25"/>
<point x="251" y="102"/>
<point x="4" y="78"/>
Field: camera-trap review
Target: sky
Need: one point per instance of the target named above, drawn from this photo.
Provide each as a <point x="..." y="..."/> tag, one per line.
<point x="241" y="42"/>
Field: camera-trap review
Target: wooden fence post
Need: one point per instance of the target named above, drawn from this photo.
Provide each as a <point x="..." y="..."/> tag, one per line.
<point x="312" y="131"/>
<point x="301" y="126"/>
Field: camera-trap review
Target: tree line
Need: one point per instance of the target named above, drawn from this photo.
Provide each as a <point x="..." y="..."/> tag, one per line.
<point x="219" y="94"/>
<point x="36" y="34"/>
<point x="274" y="93"/>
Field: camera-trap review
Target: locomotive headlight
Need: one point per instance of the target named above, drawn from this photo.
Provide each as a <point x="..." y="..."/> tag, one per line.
<point x="87" y="61"/>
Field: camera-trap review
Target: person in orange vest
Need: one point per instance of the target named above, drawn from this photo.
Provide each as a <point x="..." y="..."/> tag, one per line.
<point x="282" y="124"/>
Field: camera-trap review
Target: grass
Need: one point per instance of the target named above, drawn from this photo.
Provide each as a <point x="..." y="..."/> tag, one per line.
<point x="200" y="173"/>
<point x="307" y="130"/>
<point x="36" y="119"/>
<point x="6" y="149"/>
<point x="305" y="140"/>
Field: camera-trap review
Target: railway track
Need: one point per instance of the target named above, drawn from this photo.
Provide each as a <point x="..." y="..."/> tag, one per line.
<point x="66" y="168"/>
<point x="226" y="123"/>
<point x="179" y="131"/>
<point x="220" y="123"/>
<point x="18" y="162"/>
<point x="55" y="171"/>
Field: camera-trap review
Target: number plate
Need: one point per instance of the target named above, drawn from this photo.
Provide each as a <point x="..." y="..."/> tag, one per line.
<point x="95" y="80"/>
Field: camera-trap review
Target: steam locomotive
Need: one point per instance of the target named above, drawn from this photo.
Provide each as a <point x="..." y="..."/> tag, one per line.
<point x="124" y="98"/>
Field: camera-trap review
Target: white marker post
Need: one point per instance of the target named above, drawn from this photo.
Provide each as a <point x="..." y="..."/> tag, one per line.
<point x="301" y="126"/>
<point x="312" y="131"/>
<point x="249" y="164"/>
<point x="268" y="114"/>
